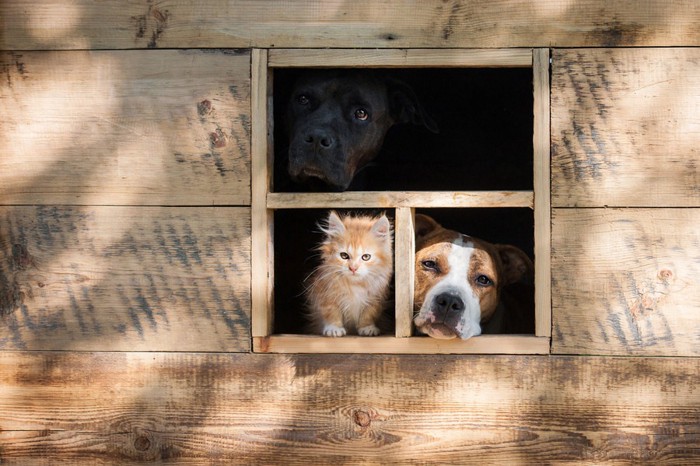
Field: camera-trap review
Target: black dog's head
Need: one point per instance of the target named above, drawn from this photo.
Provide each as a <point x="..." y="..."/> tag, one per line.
<point x="337" y="120"/>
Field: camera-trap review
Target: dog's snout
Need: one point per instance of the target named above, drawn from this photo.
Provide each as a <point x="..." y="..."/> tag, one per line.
<point x="320" y="140"/>
<point x="448" y="303"/>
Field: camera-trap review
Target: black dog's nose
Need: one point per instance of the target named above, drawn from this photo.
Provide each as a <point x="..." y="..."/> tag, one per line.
<point x="320" y="140"/>
<point x="448" y="304"/>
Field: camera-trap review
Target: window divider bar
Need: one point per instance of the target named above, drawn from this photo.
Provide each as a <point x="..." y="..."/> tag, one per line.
<point x="404" y="253"/>
<point x="542" y="193"/>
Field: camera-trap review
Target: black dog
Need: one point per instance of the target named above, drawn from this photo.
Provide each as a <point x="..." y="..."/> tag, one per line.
<point x="337" y="120"/>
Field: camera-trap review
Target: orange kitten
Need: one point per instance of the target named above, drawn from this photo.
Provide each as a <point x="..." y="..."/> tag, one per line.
<point x="349" y="290"/>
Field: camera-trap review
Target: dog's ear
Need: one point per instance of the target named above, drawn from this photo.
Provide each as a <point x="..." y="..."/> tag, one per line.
<point x="405" y="106"/>
<point x="517" y="266"/>
<point x="424" y="225"/>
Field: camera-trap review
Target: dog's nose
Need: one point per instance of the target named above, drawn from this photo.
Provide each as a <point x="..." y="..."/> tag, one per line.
<point x="320" y="140"/>
<point x="447" y="304"/>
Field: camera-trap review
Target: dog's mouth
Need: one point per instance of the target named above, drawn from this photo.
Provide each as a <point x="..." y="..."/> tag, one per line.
<point x="439" y="331"/>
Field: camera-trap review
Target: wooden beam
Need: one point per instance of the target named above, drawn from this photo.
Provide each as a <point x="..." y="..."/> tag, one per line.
<point x="113" y="24"/>
<point x="542" y="184"/>
<point x="404" y="266"/>
<point x="302" y="409"/>
<point x="484" y="344"/>
<point x="401" y="58"/>
<point x="393" y="199"/>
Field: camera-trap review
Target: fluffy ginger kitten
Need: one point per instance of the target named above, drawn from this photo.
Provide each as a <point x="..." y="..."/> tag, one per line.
<point x="349" y="290"/>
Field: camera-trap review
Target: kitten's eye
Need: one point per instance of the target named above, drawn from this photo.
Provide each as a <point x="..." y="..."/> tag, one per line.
<point x="361" y="114"/>
<point x="483" y="280"/>
<point x="430" y="265"/>
<point x="366" y="257"/>
<point x="344" y="256"/>
<point x="303" y="99"/>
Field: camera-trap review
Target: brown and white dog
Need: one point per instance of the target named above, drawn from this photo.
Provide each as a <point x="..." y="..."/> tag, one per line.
<point x="459" y="281"/>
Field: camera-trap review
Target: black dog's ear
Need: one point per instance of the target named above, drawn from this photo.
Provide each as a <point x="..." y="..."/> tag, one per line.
<point x="405" y="106"/>
<point x="424" y="225"/>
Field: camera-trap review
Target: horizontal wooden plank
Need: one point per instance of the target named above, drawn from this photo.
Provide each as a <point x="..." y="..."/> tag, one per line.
<point x="347" y="409"/>
<point x="392" y="199"/>
<point x="484" y="344"/>
<point x="125" y="278"/>
<point x="126" y="127"/>
<point x="625" y="128"/>
<point x="625" y="281"/>
<point x="401" y="58"/>
<point x="83" y="24"/>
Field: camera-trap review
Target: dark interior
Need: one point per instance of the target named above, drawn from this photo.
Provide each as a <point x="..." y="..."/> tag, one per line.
<point x="484" y="143"/>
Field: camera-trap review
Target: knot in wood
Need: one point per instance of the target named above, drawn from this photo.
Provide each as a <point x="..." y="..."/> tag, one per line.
<point x="361" y="418"/>
<point x="665" y="274"/>
<point x="142" y="443"/>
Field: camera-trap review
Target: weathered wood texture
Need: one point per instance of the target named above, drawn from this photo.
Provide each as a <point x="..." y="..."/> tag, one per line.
<point x="625" y="281"/>
<point x="251" y="409"/>
<point x="625" y="127"/>
<point x="84" y="24"/>
<point x="125" y="278"/>
<point x="125" y="127"/>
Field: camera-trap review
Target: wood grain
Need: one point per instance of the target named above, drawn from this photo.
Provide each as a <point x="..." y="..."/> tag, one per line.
<point x="392" y="199"/>
<point x="625" y="129"/>
<point x="401" y="58"/>
<point x="483" y="344"/>
<point x="83" y="24"/>
<point x="625" y="281"/>
<point x="347" y="409"/>
<point x="124" y="278"/>
<point x="542" y="193"/>
<point x="404" y="270"/>
<point x="125" y="127"/>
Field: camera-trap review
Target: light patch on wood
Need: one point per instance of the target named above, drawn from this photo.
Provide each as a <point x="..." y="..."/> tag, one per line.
<point x="125" y="278"/>
<point x="626" y="281"/>
<point x="125" y="127"/>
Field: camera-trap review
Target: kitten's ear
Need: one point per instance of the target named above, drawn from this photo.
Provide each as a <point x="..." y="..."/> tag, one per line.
<point x="335" y="225"/>
<point x="381" y="227"/>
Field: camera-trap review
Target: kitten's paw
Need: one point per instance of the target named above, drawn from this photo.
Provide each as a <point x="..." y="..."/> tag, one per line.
<point x="368" y="331"/>
<point x="331" y="330"/>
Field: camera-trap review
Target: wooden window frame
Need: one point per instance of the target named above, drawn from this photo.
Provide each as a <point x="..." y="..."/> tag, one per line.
<point x="265" y="202"/>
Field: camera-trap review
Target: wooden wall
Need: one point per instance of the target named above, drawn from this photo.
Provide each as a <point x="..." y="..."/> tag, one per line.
<point x="125" y="242"/>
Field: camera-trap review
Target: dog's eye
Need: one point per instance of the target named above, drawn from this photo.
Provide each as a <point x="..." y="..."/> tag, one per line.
<point x="344" y="256"/>
<point x="361" y="114"/>
<point x="483" y="280"/>
<point x="303" y="99"/>
<point x="366" y="257"/>
<point x="429" y="264"/>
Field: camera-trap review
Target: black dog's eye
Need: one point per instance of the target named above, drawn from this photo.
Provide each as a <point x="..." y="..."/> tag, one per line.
<point x="483" y="280"/>
<point x="361" y="114"/>
<point x="303" y="99"/>
<point x="430" y="265"/>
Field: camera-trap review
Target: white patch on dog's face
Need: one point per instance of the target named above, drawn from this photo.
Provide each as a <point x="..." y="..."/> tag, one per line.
<point x="456" y="282"/>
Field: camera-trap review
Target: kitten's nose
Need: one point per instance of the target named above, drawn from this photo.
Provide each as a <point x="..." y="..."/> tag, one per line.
<point x="353" y="268"/>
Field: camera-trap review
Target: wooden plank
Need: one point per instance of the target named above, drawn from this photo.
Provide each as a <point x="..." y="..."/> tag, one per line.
<point x="262" y="219"/>
<point x="113" y="24"/>
<point x="401" y="58"/>
<point x="125" y="127"/>
<point x="484" y="344"/>
<point x="404" y="270"/>
<point x="393" y="199"/>
<point x="347" y="409"/>
<point x="626" y="281"/>
<point x="625" y="130"/>
<point x="542" y="184"/>
<point x="125" y="278"/>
